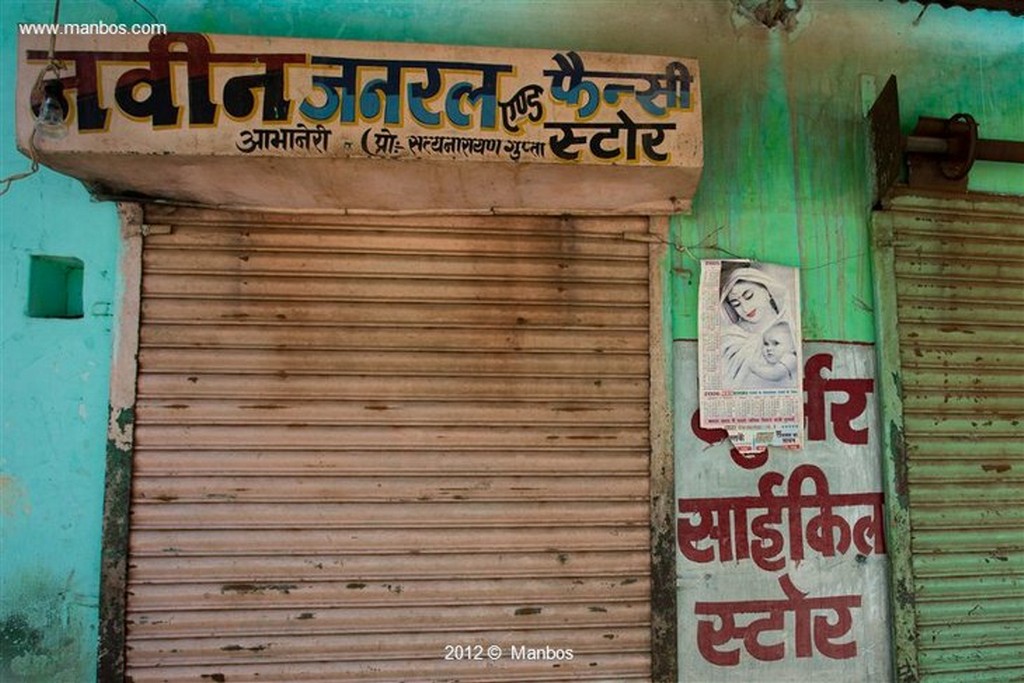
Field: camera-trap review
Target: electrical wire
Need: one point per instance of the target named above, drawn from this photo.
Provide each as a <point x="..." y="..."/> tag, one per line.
<point x="55" y="66"/>
<point x="148" y="11"/>
<point x="5" y="183"/>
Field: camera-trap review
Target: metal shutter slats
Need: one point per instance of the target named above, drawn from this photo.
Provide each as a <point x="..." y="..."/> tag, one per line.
<point x="358" y="440"/>
<point x="959" y="269"/>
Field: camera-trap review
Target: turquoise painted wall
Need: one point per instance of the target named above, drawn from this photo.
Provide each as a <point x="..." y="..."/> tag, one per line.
<point x="785" y="180"/>
<point x="54" y="384"/>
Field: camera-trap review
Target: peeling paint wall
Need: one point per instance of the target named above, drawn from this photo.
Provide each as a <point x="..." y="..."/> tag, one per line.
<point x="54" y="411"/>
<point x="51" y="449"/>
<point x="45" y="627"/>
<point x="785" y="180"/>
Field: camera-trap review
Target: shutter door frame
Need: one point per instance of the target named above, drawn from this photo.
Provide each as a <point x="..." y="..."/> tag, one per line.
<point x="112" y="662"/>
<point x="923" y="521"/>
<point x="110" y="659"/>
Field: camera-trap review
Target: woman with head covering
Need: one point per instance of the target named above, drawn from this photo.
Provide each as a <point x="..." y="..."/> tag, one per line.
<point x="752" y="303"/>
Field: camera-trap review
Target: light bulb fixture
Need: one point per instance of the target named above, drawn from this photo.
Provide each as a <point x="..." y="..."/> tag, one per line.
<point x="49" y="121"/>
<point x="49" y="106"/>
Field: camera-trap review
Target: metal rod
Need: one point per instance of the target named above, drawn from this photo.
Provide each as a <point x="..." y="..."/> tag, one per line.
<point x="1001" y="150"/>
<point x="987" y="150"/>
<point x="917" y="143"/>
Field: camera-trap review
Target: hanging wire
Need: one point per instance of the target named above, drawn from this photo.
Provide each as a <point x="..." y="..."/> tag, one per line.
<point x="689" y="250"/>
<point x="54" y="66"/>
<point x="53" y="36"/>
<point x="5" y="184"/>
<point x="148" y="11"/>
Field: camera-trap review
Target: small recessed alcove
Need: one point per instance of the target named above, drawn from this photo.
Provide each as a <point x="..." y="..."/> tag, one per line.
<point x="55" y="286"/>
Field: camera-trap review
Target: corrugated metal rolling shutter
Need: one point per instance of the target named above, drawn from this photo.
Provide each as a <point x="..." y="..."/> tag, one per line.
<point x="958" y="268"/>
<point x="360" y="440"/>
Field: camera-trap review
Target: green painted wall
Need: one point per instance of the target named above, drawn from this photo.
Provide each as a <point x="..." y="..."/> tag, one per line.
<point x="785" y="180"/>
<point x="785" y="139"/>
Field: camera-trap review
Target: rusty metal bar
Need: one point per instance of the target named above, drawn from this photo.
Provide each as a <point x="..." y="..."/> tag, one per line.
<point x="1007" y="151"/>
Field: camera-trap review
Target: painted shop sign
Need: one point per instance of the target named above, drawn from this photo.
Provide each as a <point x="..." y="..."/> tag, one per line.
<point x="230" y="95"/>
<point x="782" y="570"/>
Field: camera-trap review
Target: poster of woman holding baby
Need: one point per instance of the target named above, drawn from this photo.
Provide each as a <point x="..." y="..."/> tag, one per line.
<point x="750" y="352"/>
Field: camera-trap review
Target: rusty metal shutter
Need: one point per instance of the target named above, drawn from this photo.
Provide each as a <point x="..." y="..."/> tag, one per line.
<point x="951" y="311"/>
<point x="361" y="440"/>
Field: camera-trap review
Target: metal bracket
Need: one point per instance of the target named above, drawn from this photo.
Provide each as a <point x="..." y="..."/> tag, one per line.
<point x="939" y="153"/>
<point x="156" y="229"/>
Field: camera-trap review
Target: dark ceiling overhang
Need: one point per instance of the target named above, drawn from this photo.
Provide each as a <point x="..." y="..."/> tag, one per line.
<point x="1014" y="7"/>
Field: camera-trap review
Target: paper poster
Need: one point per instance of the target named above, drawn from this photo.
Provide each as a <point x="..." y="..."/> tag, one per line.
<point x="750" y="357"/>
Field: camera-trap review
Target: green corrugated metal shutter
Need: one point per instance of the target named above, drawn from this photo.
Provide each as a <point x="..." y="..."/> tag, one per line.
<point x="950" y="295"/>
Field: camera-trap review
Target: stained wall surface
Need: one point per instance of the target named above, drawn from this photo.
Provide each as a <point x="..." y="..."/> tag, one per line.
<point x="785" y="180"/>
